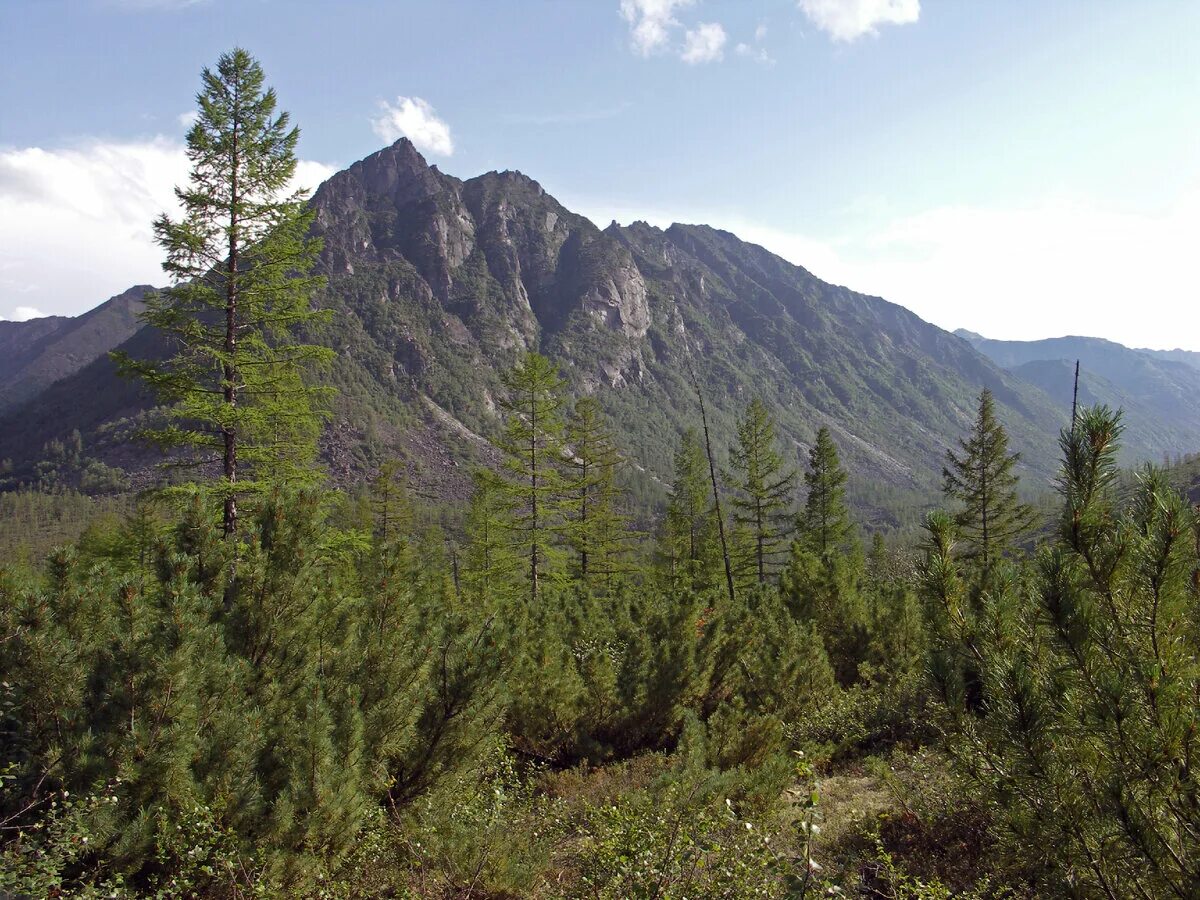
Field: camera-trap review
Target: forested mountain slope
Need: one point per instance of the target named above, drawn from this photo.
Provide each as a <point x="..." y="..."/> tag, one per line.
<point x="438" y="284"/>
<point x="37" y="353"/>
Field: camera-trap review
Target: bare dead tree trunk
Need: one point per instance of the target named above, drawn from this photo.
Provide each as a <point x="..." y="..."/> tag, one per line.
<point x="1075" y="397"/>
<point x="712" y="471"/>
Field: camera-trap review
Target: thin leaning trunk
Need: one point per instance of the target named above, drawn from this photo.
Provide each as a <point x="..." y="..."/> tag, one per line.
<point x="712" y="472"/>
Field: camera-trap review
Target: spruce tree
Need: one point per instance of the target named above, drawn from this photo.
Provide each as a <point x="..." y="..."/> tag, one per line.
<point x="533" y="446"/>
<point x="982" y="480"/>
<point x="763" y="488"/>
<point x="825" y="520"/>
<point x="238" y="259"/>
<point x="598" y="532"/>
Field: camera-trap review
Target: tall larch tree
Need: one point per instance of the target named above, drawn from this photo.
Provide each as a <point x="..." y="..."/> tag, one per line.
<point x="763" y="488"/>
<point x="391" y="510"/>
<point x="597" y="530"/>
<point x="689" y="545"/>
<point x="825" y="520"/>
<point x="533" y="444"/>
<point x="982" y="480"/>
<point x="239" y="259"/>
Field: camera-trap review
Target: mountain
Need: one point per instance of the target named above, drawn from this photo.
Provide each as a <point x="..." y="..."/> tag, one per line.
<point x="438" y="284"/>
<point x="1188" y="357"/>
<point x="39" y="352"/>
<point x="1159" y="392"/>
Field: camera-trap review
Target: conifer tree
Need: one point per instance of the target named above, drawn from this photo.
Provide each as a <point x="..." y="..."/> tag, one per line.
<point x="238" y="259"/>
<point x="763" y="498"/>
<point x="489" y="563"/>
<point x="689" y="544"/>
<point x="825" y="520"/>
<point x="533" y="446"/>
<point x="1089" y="674"/>
<point x="390" y="506"/>
<point x="983" y="481"/>
<point x="598" y="531"/>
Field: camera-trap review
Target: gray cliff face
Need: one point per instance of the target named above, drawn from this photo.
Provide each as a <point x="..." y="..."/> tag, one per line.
<point x="508" y="264"/>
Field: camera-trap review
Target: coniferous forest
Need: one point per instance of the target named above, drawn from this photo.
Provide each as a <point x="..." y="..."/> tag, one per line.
<point x="249" y="683"/>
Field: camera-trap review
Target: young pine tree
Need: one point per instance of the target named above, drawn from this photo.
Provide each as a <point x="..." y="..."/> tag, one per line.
<point x="825" y="521"/>
<point x="238" y="259"/>
<point x="763" y="499"/>
<point x="1086" y="749"/>
<point x="982" y="480"/>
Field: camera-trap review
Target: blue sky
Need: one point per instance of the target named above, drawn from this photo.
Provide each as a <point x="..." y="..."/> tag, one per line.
<point x="1023" y="169"/>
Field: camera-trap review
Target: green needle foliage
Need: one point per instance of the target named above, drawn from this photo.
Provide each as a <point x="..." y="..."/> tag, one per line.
<point x="534" y="484"/>
<point x="390" y="506"/>
<point x="238" y="260"/>
<point x="599" y="533"/>
<point x="490" y="570"/>
<point x="825" y="521"/>
<point x="763" y="486"/>
<point x="689" y="545"/>
<point x="1087" y="744"/>
<point x="982" y="480"/>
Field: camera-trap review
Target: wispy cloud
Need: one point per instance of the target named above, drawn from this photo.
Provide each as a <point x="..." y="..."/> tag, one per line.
<point x="415" y="119"/>
<point x="704" y="43"/>
<point x="187" y="119"/>
<point x="567" y="117"/>
<point x="159" y="5"/>
<point x="756" y="51"/>
<point x="848" y="20"/>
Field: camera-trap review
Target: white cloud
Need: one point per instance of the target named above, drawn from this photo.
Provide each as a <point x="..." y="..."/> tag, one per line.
<point x="25" y="313"/>
<point x="704" y="43"/>
<point x="760" y="32"/>
<point x="848" y="20"/>
<point x="187" y="119"/>
<point x="1062" y="266"/>
<point x="75" y="223"/>
<point x="413" y="118"/>
<point x="651" y="22"/>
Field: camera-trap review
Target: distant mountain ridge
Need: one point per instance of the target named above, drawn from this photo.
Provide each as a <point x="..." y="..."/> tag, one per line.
<point x="1188" y="357"/>
<point x="438" y="284"/>
<point x="1158" y="390"/>
<point x="36" y="353"/>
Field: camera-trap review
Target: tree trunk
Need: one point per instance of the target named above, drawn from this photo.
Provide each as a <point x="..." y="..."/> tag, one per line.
<point x="533" y="499"/>
<point x="712" y="473"/>
<point x="229" y="369"/>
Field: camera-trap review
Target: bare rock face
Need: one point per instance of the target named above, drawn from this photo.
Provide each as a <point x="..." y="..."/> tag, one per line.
<point x="393" y="205"/>
<point x="618" y="302"/>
